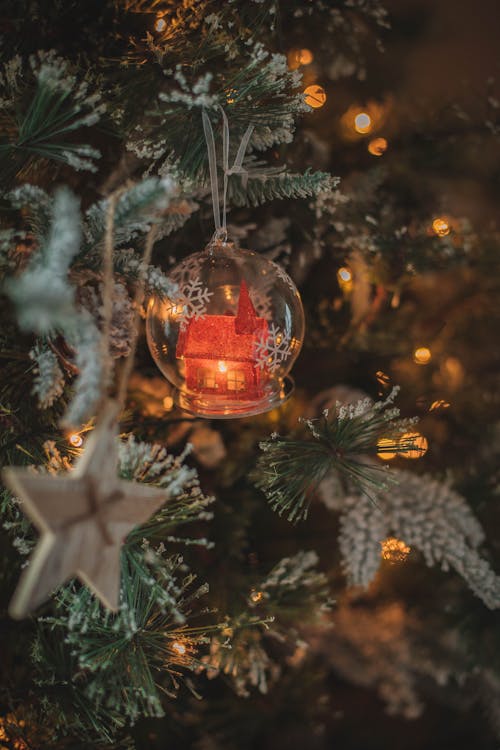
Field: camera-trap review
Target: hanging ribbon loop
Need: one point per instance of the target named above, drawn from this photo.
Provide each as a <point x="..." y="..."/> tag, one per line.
<point x="237" y="168"/>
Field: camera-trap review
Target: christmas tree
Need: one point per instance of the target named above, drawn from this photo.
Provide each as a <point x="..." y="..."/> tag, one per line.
<point x="201" y="546"/>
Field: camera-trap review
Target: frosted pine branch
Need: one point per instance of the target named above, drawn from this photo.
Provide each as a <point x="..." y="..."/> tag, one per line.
<point x="42" y="294"/>
<point x="429" y="516"/>
<point x="48" y="383"/>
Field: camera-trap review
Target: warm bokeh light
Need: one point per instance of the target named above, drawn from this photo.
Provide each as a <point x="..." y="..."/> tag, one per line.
<point x="160" y="24"/>
<point x="377" y="146"/>
<point x="298" y="57"/>
<point x="362" y="123"/>
<point x="439" y="404"/>
<point x="76" y="440"/>
<point x="168" y="403"/>
<point x="256" y="596"/>
<point x="179" y="648"/>
<point x="344" y="274"/>
<point x="413" y="445"/>
<point x="394" y="550"/>
<point x="315" y="96"/>
<point x="422" y="355"/>
<point x="441" y="226"/>
<point x="386" y="449"/>
<point x="383" y="378"/>
<point x="344" y="278"/>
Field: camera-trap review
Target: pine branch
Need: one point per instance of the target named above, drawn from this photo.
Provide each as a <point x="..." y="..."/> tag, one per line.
<point x="265" y="187"/>
<point x="425" y="514"/>
<point x="290" y="470"/>
<point x="45" y="104"/>
<point x="137" y="209"/>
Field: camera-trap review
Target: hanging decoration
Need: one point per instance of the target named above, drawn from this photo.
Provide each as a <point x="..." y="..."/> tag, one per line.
<point x="229" y="338"/>
<point x="84" y="516"/>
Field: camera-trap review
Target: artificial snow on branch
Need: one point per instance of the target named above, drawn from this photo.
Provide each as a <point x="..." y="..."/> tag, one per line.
<point x="427" y="515"/>
<point x="44" y="101"/>
<point x="290" y="469"/>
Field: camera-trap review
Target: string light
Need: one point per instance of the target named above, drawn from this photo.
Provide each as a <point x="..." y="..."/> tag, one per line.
<point x="256" y="596"/>
<point x="415" y="445"/>
<point x="422" y="355"/>
<point x="344" y="278"/>
<point x="394" y="550"/>
<point x="179" y="648"/>
<point x="76" y="440"/>
<point x="362" y="123"/>
<point x="441" y="227"/>
<point x="168" y="403"/>
<point x="377" y="146"/>
<point x="384" y="451"/>
<point x="315" y="96"/>
<point x="383" y="378"/>
<point x="160" y="24"/>
<point x="298" y="57"/>
<point x="440" y="404"/>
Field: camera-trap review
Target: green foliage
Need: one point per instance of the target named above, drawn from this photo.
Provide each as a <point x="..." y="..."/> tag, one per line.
<point x="290" y="470"/>
<point x="294" y="591"/>
<point x="45" y="104"/>
<point x="268" y="186"/>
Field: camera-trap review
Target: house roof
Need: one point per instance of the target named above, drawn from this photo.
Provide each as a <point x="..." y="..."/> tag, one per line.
<point x="215" y="337"/>
<point x="224" y="336"/>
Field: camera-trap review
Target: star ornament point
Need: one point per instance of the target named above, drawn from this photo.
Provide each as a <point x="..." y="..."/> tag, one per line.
<point x="83" y="518"/>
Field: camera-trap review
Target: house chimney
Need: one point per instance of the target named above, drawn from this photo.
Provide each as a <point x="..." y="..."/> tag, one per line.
<point x="246" y="318"/>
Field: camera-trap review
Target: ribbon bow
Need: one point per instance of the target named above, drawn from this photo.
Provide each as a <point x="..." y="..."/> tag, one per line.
<point x="237" y="168"/>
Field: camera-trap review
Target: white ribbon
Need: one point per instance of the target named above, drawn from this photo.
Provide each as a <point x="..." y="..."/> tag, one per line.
<point x="237" y="168"/>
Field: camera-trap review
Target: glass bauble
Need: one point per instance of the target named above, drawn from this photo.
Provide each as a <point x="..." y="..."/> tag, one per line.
<point x="230" y="334"/>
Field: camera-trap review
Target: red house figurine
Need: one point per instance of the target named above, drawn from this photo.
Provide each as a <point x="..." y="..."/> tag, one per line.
<point x="219" y="352"/>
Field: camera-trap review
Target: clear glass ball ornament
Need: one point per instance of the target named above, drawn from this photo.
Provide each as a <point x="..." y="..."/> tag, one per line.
<point x="230" y="334"/>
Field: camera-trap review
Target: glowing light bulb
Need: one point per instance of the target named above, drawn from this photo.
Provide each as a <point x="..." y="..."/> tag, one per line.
<point x="297" y="57"/>
<point x="315" y="96"/>
<point x="362" y="123"/>
<point x="414" y="444"/>
<point x="377" y="146"/>
<point x="256" y="596"/>
<point x="168" y="403"/>
<point x="422" y="355"/>
<point x="222" y="367"/>
<point x="441" y="227"/>
<point x="160" y="24"/>
<point x="344" y="278"/>
<point x="305" y="57"/>
<point x="439" y="404"/>
<point x="344" y="274"/>
<point x="384" y="446"/>
<point x="394" y="550"/>
<point x="179" y="648"/>
<point x="76" y="440"/>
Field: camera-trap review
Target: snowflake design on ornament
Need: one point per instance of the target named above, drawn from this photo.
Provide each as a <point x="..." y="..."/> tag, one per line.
<point x="194" y="300"/>
<point x="273" y="348"/>
<point x="282" y="274"/>
<point x="188" y="270"/>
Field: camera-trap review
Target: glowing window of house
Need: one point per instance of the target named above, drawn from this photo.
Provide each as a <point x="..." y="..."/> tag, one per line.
<point x="235" y="380"/>
<point x="206" y="378"/>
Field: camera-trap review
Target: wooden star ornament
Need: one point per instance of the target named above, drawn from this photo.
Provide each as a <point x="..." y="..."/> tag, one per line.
<point x="84" y="518"/>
